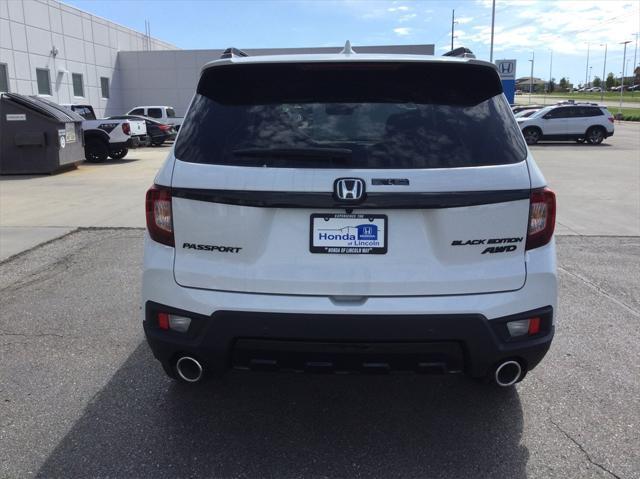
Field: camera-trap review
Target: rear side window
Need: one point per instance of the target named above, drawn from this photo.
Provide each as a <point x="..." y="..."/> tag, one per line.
<point x="137" y="111"/>
<point x="171" y="113"/>
<point x="350" y="115"/>
<point x="154" y="112"/>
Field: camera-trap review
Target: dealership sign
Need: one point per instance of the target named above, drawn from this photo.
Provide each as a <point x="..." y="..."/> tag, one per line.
<point x="507" y="72"/>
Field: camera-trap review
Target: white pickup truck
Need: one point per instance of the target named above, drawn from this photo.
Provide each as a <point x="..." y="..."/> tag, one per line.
<point x="108" y="138"/>
<point x="165" y="114"/>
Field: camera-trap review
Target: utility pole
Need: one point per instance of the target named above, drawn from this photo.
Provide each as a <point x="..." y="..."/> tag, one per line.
<point x="624" y="58"/>
<point x="533" y="57"/>
<point x="635" y="53"/>
<point x="550" y="67"/>
<point x="603" y="83"/>
<point x="493" y="21"/>
<point x="453" y="22"/>
<point x="586" y="73"/>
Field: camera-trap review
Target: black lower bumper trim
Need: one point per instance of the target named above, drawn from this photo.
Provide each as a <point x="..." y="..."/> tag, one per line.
<point x="341" y="343"/>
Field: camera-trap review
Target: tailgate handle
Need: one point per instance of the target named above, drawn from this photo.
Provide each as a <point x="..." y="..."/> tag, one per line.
<point x="348" y="300"/>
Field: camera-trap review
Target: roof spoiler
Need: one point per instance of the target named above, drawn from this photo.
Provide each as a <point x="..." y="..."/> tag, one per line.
<point x="460" y="52"/>
<point x="233" y="52"/>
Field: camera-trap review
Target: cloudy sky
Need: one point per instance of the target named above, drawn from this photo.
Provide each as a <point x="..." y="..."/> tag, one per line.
<point x="568" y="28"/>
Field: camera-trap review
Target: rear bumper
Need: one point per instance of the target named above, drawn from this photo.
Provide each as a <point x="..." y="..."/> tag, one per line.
<point x="456" y="333"/>
<point x="347" y="342"/>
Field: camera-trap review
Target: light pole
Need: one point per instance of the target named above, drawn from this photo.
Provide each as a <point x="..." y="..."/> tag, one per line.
<point x="603" y="83"/>
<point x="589" y="82"/>
<point x="586" y="72"/>
<point x="533" y="57"/>
<point x="453" y="22"/>
<point x="550" y="67"/>
<point x="493" y="21"/>
<point x="624" y="58"/>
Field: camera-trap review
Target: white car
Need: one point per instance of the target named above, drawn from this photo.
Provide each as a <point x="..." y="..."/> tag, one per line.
<point x="568" y="121"/>
<point x="349" y="213"/>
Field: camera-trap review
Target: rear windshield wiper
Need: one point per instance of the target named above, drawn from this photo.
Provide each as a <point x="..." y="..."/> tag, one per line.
<point x="311" y="152"/>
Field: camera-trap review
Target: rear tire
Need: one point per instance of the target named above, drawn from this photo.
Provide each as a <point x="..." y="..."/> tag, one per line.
<point x="96" y="150"/>
<point x="595" y="135"/>
<point x="119" y="153"/>
<point x="531" y="135"/>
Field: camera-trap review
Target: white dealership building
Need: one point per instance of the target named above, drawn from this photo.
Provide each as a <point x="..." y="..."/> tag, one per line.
<point x="50" y="49"/>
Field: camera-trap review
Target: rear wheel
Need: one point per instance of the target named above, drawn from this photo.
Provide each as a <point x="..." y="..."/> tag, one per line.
<point x="531" y="135"/>
<point x="119" y="153"/>
<point x="595" y="135"/>
<point x="96" y="150"/>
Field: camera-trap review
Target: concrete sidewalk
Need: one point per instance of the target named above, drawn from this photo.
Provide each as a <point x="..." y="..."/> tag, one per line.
<point x="35" y="209"/>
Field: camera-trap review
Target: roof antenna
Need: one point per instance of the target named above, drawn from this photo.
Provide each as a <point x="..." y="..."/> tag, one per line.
<point x="347" y="50"/>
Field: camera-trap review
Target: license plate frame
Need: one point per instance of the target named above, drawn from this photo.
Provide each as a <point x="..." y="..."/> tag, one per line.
<point x="360" y="221"/>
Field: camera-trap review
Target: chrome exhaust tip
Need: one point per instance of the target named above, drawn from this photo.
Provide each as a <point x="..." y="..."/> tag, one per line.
<point x="508" y="373"/>
<point x="189" y="369"/>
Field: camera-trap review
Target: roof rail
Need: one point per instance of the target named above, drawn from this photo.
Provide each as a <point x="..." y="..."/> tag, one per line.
<point x="233" y="52"/>
<point x="461" y="52"/>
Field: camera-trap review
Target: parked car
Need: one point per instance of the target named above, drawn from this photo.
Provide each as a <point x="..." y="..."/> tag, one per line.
<point x="568" y="121"/>
<point x="518" y="108"/>
<point x="108" y="138"/>
<point x="157" y="131"/>
<point x="165" y="114"/>
<point x="303" y="222"/>
<point x="526" y="113"/>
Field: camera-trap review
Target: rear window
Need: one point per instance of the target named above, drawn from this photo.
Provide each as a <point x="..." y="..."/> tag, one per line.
<point x="353" y="115"/>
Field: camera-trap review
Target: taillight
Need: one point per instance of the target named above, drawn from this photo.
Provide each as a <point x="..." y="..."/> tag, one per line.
<point x="611" y="119"/>
<point x="159" y="215"/>
<point x="542" y="217"/>
<point x="126" y="128"/>
<point x="164" y="127"/>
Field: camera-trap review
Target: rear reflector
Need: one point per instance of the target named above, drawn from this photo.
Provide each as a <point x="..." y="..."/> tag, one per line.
<point x="542" y="217"/>
<point x="163" y="321"/>
<point x="534" y="326"/>
<point x="159" y="215"/>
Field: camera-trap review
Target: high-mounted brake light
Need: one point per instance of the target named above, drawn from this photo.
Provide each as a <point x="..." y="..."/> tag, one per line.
<point x="542" y="217"/>
<point x="159" y="215"/>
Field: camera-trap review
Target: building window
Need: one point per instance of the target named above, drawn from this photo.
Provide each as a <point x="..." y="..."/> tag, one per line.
<point x="44" y="81"/>
<point x="104" y="87"/>
<point x="4" y="78"/>
<point x="78" y="87"/>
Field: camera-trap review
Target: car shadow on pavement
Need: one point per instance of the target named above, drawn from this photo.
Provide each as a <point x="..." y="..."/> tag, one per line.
<point x="572" y="143"/>
<point x="289" y="425"/>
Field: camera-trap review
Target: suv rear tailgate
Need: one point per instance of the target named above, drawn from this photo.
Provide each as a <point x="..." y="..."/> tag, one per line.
<point x="431" y="251"/>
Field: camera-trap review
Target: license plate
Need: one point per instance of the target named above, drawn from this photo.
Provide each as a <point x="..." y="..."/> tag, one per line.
<point x="348" y="234"/>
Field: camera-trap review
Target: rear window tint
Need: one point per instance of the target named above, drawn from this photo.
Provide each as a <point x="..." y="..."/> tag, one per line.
<point x="354" y="115"/>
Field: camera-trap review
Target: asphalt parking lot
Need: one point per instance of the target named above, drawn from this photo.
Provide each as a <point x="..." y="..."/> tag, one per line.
<point x="81" y="395"/>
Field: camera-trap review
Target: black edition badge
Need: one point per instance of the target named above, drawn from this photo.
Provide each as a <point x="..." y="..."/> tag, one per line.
<point x="511" y="244"/>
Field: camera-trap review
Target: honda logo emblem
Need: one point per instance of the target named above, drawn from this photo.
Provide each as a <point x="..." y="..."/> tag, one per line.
<point x="506" y="67"/>
<point x="349" y="189"/>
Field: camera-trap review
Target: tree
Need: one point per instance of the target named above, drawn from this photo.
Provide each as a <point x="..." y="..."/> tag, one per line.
<point x="597" y="81"/>
<point x="610" y="81"/>
<point x="564" y="84"/>
<point x="552" y="85"/>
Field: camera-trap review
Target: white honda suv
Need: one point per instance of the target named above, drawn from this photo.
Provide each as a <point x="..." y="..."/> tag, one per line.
<point x="568" y="121"/>
<point x="349" y="213"/>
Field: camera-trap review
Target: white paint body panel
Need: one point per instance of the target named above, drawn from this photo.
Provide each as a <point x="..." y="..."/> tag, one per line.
<point x="420" y="260"/>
